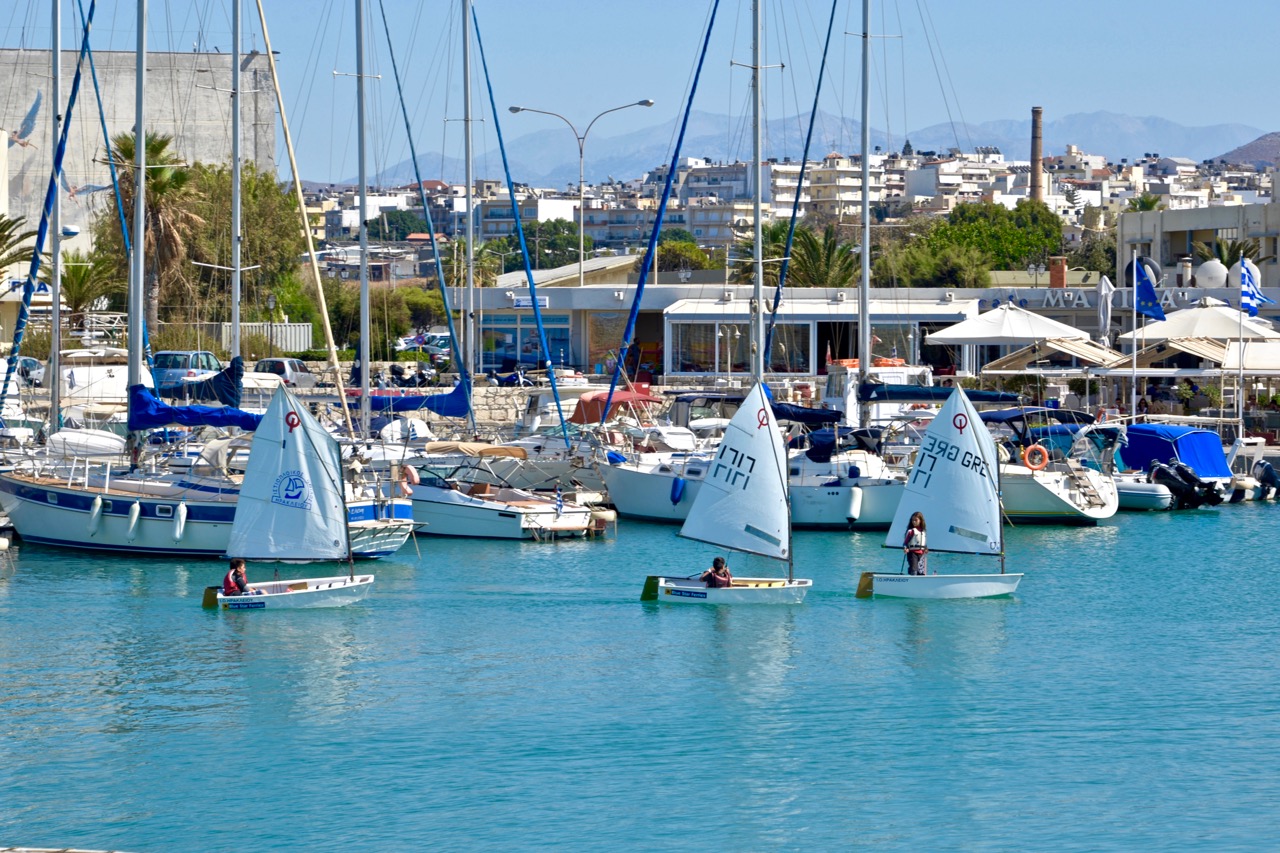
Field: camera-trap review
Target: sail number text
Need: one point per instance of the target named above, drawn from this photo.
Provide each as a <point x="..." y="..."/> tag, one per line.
<point x="934" y="450"/>
<point x="733" y="467"/>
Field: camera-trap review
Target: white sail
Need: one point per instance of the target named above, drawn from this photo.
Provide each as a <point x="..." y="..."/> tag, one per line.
<point x="742" y="503"/>
<point x="953" y="484"/>
<point x="291" y="505"/>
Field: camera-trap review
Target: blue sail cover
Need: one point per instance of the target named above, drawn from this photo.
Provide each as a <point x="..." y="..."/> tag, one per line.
<point x="805" y="415"/>
<point x="878" y="392"/>
<point x="146" y="411"/>
<point x="451" y="405"/>
<point x="1198" y="448"/>
<point x="224" y="387"/>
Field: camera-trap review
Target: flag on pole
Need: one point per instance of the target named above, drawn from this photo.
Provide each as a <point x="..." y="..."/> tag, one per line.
<point x="1145" y="297"/>
<point x="559" y="500"/>
<point x="1250" y="293"/>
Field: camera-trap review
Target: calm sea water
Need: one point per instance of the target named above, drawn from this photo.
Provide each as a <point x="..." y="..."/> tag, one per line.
<point x="510" y="696"/>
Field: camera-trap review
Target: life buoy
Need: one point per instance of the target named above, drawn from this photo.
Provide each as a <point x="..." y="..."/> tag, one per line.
<point x="1102" y="416"/>
<point x="1035" y="457"/>
<point x="408" y="479"/>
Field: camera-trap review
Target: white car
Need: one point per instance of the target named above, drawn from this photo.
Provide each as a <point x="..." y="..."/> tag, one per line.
<point x="291" y="371"/>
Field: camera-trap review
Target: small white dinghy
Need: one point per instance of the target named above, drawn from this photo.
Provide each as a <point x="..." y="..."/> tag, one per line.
<point x="292" y="508"/>
<point x="742" y="505"/>
<point x="953" y="484"/>
<point x="294" y="594"/>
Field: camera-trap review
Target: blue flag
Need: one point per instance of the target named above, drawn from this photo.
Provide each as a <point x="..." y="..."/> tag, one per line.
<point x="1147" y="301"/>
<point x="1250" y="293"/>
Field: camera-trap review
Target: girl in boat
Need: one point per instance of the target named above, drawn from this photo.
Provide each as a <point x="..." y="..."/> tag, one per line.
<point x="915" y="545"/>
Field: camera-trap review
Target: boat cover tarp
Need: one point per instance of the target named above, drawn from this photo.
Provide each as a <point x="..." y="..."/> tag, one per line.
<point x="590" y="408"/>
<point x="1033" y="413"/>
<point x="879" y="392"/>
<point x="450" y="405"/>
<point x="475" y="448"/>
<point x="1198" y="448"/>
<point x="805" y="415"/>
<point x="146" y="411"/>
<point x="824" y="443"/>
<point x="223" y="387"/>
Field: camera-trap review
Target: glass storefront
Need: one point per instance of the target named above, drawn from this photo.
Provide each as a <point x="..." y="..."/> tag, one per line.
<point x="726" y="348"/>
<point x="510" y="342"/>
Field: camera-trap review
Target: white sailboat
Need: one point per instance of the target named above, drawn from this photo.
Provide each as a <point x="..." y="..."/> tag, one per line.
<point x="742" y="505"/>
<point x="953" y="484"/>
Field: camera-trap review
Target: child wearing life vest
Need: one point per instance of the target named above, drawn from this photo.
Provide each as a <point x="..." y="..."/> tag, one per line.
<point x="915" y="545"/>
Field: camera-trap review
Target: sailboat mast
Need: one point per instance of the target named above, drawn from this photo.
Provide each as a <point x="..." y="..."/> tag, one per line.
<point x="55" y="227"/>
<point x="136" y="307"/>
<point x="864" y="283"/>
<point x="472" y="353"/>
<point x="236" y="236"/>
<point x="757" y="289"/>
<point x="365" y="405"/>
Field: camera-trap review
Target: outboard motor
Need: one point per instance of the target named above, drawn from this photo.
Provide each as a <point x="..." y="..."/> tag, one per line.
<point x="1209" y="492"/>
<point x="1266" y="475"/>
<point x="1185" y="494"/>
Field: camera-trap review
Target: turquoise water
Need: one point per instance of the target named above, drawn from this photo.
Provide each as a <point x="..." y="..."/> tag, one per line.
<point x="506" y="696"/>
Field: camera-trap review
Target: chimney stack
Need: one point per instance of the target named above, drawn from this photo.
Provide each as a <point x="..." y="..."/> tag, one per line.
<point x="1037" y="154"/>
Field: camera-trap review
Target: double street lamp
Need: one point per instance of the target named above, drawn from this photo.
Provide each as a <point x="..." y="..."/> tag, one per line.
<point x="582" y="139"/>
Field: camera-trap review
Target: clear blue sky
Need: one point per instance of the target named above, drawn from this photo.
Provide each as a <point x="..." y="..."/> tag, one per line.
<point x="1181" y="60"/>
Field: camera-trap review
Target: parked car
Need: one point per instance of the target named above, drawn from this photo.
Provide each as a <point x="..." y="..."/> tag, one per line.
<point x="173" y="367"/>
<point x="290" y="370"/>
<point x="31" y="370"/>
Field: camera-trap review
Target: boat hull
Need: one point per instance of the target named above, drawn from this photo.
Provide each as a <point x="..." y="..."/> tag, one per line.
<point x="1138" y="496"/>
<point x="295" y="594"/>
<point x="878" y="585"/>
<point x="449" y="512"/>
<point x="1052" y="497"/>
<point x="744" y="591"/>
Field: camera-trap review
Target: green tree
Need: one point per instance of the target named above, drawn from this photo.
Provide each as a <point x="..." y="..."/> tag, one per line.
<point x="172" y="221"/>
<point x="488" y="264"/>
<point x="426" y="307"/>
<point x="1010" y="239"/>
<point x="773" y="246"/>
<point x="1230" y="251"/>
<point x="1146" y="201"/>
<point x="86" y="280"/>
<point x="920" y="263"/>
<point x="388" y="316"/>
<point x="399" y="225"/>
<point x="1096" y="252"/>
<point x="12" y="238"/>
<point x="821" y="261"/>
<point x="675" y="235"/>
<point x="674" y="255"/>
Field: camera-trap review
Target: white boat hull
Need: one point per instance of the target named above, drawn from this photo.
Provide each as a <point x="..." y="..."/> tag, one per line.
<point x="1138" y="496"/>
<point x="645" y="490"/>
<point x="450" y="512"/>
<point x="744" y="591"/>
<point x="295" y="594"/>
<point x="1055" y="497"/>
<point x="878" y="585"/>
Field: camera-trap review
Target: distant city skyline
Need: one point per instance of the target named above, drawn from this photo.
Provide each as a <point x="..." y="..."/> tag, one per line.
<point x="580" y="58"/>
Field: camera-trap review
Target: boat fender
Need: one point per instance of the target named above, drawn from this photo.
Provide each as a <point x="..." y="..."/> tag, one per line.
<point x="854" y="472"/>
<point x="180" y="522"/>
<point x="1035" y="457"/>
<point x="613" y="457"/>
<point x="95" y="515"/>
<point x="677" y="490"/>
<point x="1102" y="416"/>
<point x="135" y="513"/>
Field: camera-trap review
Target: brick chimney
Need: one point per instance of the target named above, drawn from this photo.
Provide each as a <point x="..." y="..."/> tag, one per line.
<point x="1037" y="154"/>
<point x="1057" y="271"/>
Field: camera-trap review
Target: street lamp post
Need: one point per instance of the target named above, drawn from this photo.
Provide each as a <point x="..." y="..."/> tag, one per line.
<point x="1036" y="270"/>
<point x="582" y="194"/>
<point x="271" y="327"/>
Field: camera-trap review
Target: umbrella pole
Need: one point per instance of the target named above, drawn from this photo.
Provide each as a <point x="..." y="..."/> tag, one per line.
<point x="1138" y="343"/>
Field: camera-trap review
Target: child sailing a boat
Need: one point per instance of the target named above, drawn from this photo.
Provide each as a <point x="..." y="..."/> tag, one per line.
<point x="915" y="545"/>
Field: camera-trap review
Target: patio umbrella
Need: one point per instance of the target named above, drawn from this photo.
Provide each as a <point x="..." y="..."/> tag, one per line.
<point x="1007" y="324"/>
<point x="1104" y="290"/>
<point x="1205" y="320"/>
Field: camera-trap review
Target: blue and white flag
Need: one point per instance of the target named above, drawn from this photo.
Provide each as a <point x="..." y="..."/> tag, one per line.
<point x="1250" y="293"/>
<point x="559" y="500"/>
<point x="1145" y="293"/>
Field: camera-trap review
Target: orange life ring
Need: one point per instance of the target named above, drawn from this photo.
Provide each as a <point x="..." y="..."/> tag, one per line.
<point x="1101" y="416"/>
<point x="1038" y="451"/>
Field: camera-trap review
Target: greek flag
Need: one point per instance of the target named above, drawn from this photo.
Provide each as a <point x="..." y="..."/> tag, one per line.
<point x="1250" y="294"/>
<point x="1147" y="302"/>
<point x="559" y="500"/>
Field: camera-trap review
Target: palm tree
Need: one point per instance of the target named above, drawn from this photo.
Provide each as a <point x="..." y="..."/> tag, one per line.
<point x="773" y="246"/>
<point x="1230" y="251"/>
<point x="171" y="217"/>
<point x="86" y="280"/>
<point x="1146" y="201"/>
<point x="12" y="238"/>
<point x="824" y="262"/>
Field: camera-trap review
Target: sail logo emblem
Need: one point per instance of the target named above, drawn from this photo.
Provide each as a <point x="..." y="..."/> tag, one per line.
<point x="292" y="489"/>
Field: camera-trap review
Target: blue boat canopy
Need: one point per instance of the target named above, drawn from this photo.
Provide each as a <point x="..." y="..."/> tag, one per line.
<point x="1198" y="448"/>
<point x="146" y="411"/>
<point x="450" y="405"/>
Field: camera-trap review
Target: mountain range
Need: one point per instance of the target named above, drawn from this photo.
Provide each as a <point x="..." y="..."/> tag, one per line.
<point x="545" y="157"/>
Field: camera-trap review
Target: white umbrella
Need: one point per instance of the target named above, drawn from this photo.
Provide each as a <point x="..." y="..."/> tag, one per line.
<point x="1007" y="324"/>
<point x="1104" y="290"/>
<point x="1205" y="320"/>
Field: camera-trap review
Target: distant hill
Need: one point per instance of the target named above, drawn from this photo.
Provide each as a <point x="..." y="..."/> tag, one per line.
<point x="549" y="158"/>
<point x="1261" y="152"/>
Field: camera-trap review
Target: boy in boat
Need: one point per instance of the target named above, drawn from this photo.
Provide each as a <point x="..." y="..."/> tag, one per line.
<point x="915" y="545"/>
<point x="235" y="583"/>
<point x="717" y="577"/>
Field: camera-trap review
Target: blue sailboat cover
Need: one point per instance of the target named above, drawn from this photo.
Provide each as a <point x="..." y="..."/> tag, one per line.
<point x="450" y="405"/>
<point x="146" y="411"/>
<point x="1198" y="448"/>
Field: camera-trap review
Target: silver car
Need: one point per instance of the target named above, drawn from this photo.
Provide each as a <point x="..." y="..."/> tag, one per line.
<point x="291" y="371"/>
